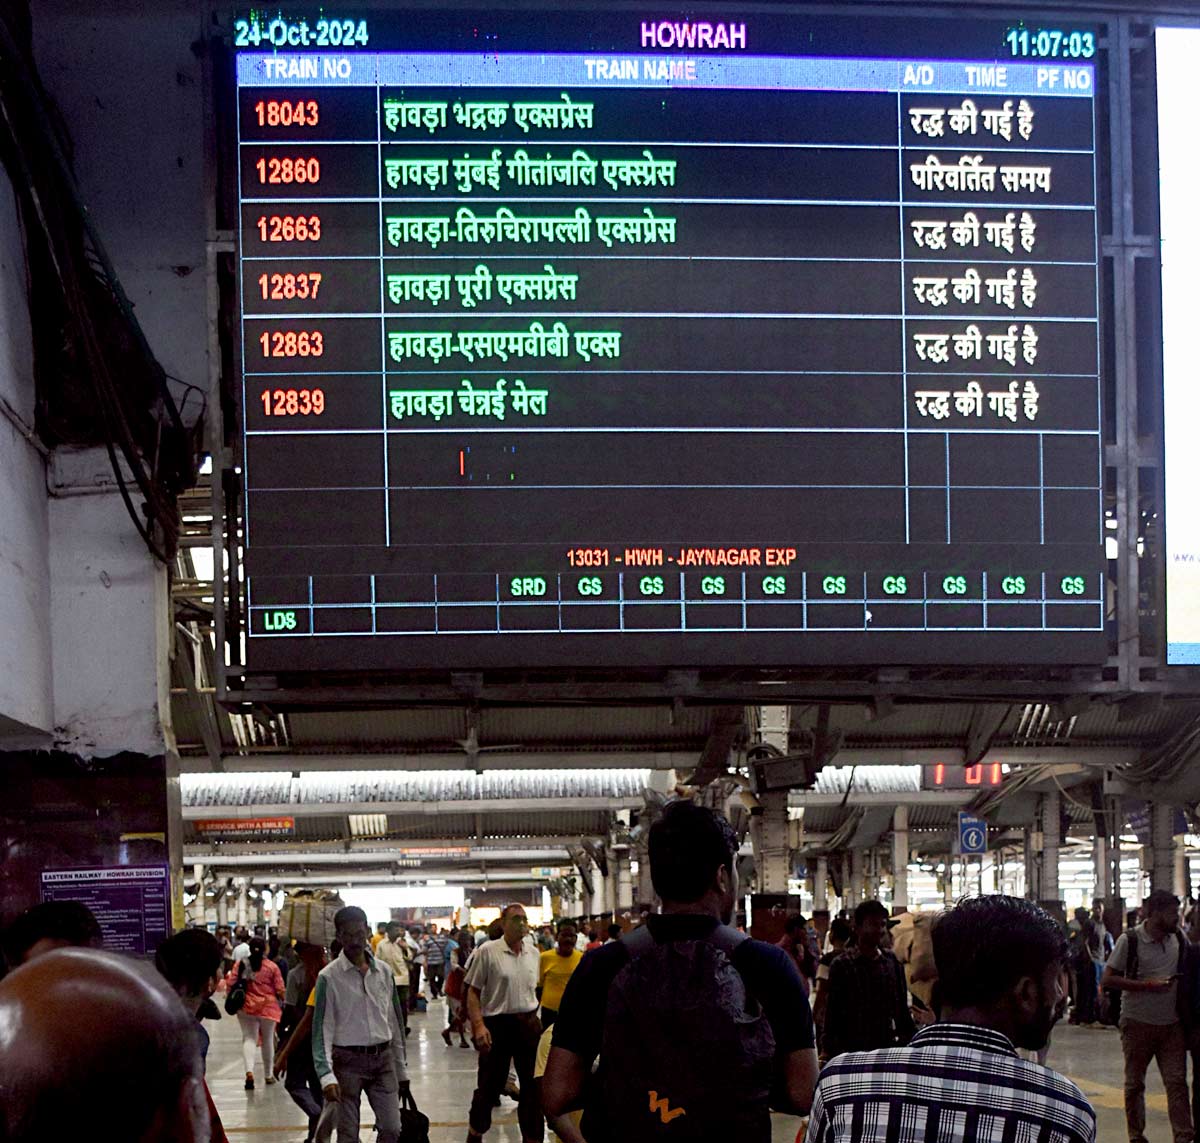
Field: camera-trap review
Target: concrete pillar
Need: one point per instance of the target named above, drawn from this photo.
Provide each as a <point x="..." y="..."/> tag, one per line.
<point x="857" y="878"/>
<point x="1100" y="863"/>
<point x="624" y="878"/>
<point x="1047" y="859"/>
<point x="1032" y="878"/>
<point x="600" y="893"/>
<point x="900" y="858"/>
<point x="821" y="884"/>
<point x="771" y="854"/>
<point x="643" y="884"/>
<point x="769" y="831"/>
<point x="1161" y="858"/>
<point x="223" y="909"/>
<point x="948" y="882"/>
<point x="196" y="912"/>
<point x="1182" y="881"/>
<point x="243" y="904"/>
<point x="612" y="890"/>
<point x="85" y="617"/>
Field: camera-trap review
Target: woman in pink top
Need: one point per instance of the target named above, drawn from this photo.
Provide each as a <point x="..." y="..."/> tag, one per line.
<point x="264" y="992"/>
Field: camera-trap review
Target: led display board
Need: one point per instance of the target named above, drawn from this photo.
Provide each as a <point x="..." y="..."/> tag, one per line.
<point x="599" y="339"/>
<point x="1179" y="169"/>
<point x="943" y="776"/>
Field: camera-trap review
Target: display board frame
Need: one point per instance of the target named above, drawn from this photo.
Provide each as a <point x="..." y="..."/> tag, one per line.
<point x="1125" y="363"/>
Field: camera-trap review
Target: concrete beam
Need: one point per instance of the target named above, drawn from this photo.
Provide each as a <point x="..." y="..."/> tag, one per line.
<point x="407" y="877"/>
<point x="1100" y="756"/>
<point x="914" y="798"/>
<point x="475" y="805"/>
<point x="268" y="761"/>
<point x="204" y="852"/>
<point x="379" y="857"/>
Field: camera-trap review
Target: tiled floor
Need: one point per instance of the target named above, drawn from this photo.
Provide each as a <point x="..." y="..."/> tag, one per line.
<point x="443" y="1079"/>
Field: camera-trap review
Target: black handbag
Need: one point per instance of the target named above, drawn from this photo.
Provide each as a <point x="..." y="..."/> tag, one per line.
<point x="235" y="999"/>
<point x="414" y="1126"/>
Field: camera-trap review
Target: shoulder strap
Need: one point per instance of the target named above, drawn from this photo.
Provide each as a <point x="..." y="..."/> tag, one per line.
<point x="639" y="942"/>
<point x="727" y="939"/>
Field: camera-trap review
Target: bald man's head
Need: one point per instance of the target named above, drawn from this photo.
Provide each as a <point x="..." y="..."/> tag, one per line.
<point x="97" y="1046"/>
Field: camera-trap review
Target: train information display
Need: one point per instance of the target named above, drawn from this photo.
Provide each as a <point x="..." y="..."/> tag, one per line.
<point x="578" y="339"/>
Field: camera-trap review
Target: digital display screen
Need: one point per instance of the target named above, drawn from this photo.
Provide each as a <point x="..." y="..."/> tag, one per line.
<point x="590" y="339"/>
<point x="1179" y="168"/>
<point x="942" y="776"/>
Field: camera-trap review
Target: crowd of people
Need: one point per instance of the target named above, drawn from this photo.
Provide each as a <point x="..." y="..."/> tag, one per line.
<point x="683" y="1026"/>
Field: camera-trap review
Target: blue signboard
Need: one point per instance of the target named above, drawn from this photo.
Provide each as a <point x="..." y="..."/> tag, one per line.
<point x="972" y="834"/>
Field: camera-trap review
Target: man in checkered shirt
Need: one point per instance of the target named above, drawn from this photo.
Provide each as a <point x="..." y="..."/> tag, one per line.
<point x="1000" y="963"/>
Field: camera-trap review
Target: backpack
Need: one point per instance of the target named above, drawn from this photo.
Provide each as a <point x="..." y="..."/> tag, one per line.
<point x="235" y="999"/>
<point x="687" y="1052"/>
<point x="1186" y="998"/>
<point x="1131" y="955"/>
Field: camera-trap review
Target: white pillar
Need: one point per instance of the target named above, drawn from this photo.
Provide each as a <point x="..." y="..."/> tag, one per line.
<point x="821" y="884"/>
<point x="900" y="858"/>
<point x="948" y="882"/>
<point x="197" y="911"/>
<point x="874" y="874"/>
<point x="1051" y="839"/>
<point x="624" y="879"/>
<point x="600" y="897"/>
<point x="223" y="909"/>
<point x="243" y="904"/>
<point x="611" y="888"/>
<point x="1181" y="882"/>
<point x="856" y="878"/>
<point x="772" y="850"/>
<point x="645" y="885"/>
<point x="769" y="832"/>
<point x="1161" y="858"/>
<point x="1100" y="861"/>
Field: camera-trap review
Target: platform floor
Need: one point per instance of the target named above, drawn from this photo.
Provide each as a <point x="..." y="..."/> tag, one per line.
<point x="443" y="1079"/>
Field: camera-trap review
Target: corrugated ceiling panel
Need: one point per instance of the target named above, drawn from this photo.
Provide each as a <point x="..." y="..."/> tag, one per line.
<point x="460" y="785"/>
<point x="439" y="727"/>
<point x="380" y="729"/>
<point x="218" y="790"/>
<point x="596" y="725"/>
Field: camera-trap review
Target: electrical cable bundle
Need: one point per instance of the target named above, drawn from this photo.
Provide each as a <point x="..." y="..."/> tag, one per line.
<point x="98" y="380"/>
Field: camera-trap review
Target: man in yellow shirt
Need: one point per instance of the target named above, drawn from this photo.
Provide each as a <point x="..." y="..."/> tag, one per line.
<point x="555" y="970"/>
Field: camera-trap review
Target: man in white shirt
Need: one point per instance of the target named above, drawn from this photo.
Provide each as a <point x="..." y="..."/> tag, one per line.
<point x="358" y="1036"/>
<point x="393" y="951"/>
<point x="502" y="1006"/>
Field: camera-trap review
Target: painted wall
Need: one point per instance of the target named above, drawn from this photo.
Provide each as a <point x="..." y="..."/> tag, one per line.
<point x="126" y="79"/>
<point x="84" y="610"/>
<point x="26" y="702"/>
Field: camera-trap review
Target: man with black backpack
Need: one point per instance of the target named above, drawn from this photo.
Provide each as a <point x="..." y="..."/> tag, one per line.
<point x="1146" y="966"/>
<point x="699" y="1029"/>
